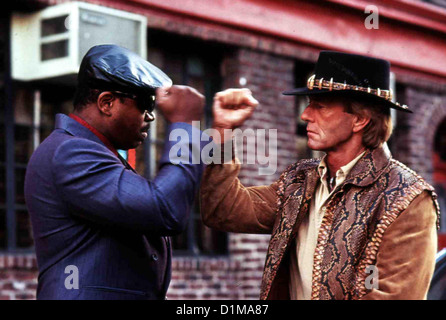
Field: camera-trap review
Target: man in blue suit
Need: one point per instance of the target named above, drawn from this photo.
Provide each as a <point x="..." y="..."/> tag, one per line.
<point x="101" y="230"/>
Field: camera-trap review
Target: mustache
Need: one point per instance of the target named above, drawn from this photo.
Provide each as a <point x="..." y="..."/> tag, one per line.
<point x="310" y="130"/>
<point x="145" y="128"/>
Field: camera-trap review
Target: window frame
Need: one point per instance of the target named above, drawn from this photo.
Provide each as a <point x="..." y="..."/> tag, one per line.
<point x="211" y="86"/>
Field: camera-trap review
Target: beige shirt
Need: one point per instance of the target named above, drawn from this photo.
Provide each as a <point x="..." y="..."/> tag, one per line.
<point x="301" y="266"/>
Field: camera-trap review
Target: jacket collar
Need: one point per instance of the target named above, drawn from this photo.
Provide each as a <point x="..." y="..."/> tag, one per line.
<point x="369" y="167"/>
<point x="343" y="171"/>
<point x="74" y="128"/>
<point x="366" y="170"/>
<point x="96" y="132"/>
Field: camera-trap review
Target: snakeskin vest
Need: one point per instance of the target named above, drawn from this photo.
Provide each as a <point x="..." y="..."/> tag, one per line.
<point x="358" y="212"/>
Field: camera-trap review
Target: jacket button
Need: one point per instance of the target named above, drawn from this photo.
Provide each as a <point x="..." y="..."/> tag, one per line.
<point x="154" y="257"/>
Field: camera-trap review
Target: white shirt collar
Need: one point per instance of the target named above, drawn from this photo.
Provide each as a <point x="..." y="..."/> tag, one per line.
<point x="342" y="172"/>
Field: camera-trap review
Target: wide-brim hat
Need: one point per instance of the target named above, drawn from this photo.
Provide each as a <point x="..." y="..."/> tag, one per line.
<point x="351" y="75"/>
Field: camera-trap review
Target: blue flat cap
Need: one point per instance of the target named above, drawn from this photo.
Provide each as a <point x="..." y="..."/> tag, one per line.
<point x="111" y="67"/>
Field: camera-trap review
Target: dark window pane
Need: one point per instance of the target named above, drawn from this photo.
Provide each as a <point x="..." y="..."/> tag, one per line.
<point x="24" y="234"/>
<point x="2" y="100"/>
<point x="19" y="185"/>
<point x="195" y="67"/>
<point x="2" y="143"/>
<point x="179" y="242"/>
<point x="45" y="132"/>
<point x="48" y="111"/>
<point x="210" y="241"/>
<point x="2" y="185"/>
<point x="2" y="228"/>
<point x="53" y="50"/>
<point x="54" y="26"/>
<point x="23" y="143"/>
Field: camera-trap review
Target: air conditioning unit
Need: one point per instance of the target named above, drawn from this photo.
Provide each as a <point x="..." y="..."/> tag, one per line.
<point x="50" y="44"/>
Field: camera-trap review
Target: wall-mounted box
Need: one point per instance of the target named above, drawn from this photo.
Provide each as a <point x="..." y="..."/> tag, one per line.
<point x="50" y="44"/>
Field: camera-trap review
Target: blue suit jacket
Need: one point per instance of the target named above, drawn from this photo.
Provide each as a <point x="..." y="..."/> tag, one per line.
<point x="92" y="216"/>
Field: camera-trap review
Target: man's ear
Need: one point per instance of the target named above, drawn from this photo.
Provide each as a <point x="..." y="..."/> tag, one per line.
<point x="105" y="102"/>
<point x="360" y="122"/>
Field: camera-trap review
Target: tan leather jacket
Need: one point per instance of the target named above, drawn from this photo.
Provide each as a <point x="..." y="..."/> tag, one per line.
<point x="384" y="215"/>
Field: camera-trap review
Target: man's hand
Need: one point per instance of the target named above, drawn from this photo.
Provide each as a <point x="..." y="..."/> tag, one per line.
<point x="180" y="103"/>
<point x="231" y="108"/>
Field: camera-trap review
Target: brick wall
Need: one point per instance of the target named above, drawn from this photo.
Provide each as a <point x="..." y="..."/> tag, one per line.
<point x="238" y="276"/>
<point x="18" y="277"/>
<point x="204" y="279"/>
<point x="413" y="141"/>
<point x="267" y="76"/>
<point x="414" y="134"/>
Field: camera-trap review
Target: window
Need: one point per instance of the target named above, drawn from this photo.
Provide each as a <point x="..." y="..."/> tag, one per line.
<point x="4" y="47"/>
<point x="16" y="131"/>
<point x="3" y="235"/>
<point x="33" y="110"/>
<point x="197" y="65"/>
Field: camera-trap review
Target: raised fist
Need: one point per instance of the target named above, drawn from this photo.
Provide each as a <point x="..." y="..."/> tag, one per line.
<point x="232" y="107"/>
<point x="180" y="103"/>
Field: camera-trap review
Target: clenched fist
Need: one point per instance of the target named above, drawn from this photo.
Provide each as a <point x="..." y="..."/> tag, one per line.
<point x="180" y="103"/>
<point x="232" y="107"/>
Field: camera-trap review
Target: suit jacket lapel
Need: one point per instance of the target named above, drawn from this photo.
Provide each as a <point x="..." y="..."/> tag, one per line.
<point x="311" y="181"/>
<point x="126" y="164"/>
<point x="296" y="192"/>
<point x="369" y="167"/>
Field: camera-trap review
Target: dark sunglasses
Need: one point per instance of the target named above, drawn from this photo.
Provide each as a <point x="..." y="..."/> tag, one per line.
<point x="144" y="103"/>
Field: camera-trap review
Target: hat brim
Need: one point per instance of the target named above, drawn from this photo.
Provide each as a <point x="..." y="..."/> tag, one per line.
<point x="345" y="93"/>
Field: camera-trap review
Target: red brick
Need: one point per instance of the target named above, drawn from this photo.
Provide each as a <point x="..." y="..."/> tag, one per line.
<point x="7" y="286"/>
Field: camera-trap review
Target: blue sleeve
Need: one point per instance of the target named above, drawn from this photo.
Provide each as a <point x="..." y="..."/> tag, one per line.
<point x="96" y="186"/>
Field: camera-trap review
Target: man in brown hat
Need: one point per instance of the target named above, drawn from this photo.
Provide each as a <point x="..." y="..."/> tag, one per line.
<point x="355" y="224"/>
